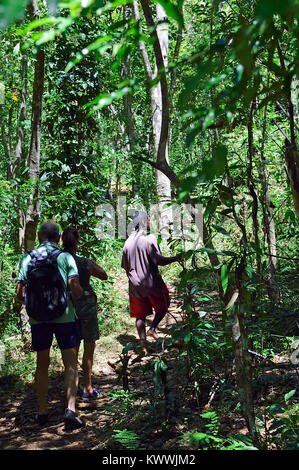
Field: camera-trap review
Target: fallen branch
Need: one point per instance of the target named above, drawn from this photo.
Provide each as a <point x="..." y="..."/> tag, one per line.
<point x="232" y="300"/>
<point x="212" y="393"/>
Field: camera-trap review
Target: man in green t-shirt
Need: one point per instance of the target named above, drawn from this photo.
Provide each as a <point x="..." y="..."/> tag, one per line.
<point x="65" y="328"/>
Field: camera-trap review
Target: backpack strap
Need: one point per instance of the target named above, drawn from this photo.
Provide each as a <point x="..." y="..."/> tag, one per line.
<point x="33" y="253"/>
<point x="55" y="253"/>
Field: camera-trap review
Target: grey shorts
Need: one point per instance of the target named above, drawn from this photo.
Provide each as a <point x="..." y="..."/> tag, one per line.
<point x="87" y="313"/>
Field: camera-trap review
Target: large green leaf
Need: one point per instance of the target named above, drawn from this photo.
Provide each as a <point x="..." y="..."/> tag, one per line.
<point x="289" y="395"/>
<point x="11" y="10"/>
<point x="172" y="11"/>
<point x="112" y="5"/>
<point x="224" y="278"/>
<point x="268" y="8"/>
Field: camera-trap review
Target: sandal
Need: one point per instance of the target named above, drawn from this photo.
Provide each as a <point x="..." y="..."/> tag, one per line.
<point x="94" y="395"/>
<point x="72" y="420"/>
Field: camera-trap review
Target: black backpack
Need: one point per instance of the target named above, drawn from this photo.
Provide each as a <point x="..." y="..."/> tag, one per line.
<point x="46" y="295"/>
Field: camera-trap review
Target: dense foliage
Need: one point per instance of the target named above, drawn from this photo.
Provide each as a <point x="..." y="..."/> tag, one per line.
<point x="231" y="88"/>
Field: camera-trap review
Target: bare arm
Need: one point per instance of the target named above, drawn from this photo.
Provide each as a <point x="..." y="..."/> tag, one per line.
<point x="99" y="272"/>
<point x="20" y="291"/>
<point x="76" y="289"/>
<point x="160" y="260"/>
<point x="157" y="258"/>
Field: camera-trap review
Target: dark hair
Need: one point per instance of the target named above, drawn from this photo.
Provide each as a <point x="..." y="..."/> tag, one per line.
<point x="49" y="231"/>
<point x="70" y="238"/>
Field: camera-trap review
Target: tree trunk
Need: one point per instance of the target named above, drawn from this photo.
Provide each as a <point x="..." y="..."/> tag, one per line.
<point x="159" y="106"/>
<point x="292" y="162"/>
<point x="269" y="228"/>
<point x="242" y="358"/>
<point x="19" y="150"/>
<point x="291" y="151"/>
<point x="269" y="225"/>
<point x="240" y="334"/>
<point x="32" y="216"/>
<point x="251" y="187"/>
<point x="130" y="124"/>
<point x="5" y="145"/>
<point x="163" y="184"/>
<point x="28" y="232"/>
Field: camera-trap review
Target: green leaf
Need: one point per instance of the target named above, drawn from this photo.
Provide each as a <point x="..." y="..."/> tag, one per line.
<point x="221" y="230"/>
<point x="105" y="99"/>
<point x="127" y="348"/>
<point x="289" y="395"/>
<point x="220" y="158"/>
<point x="225" y="195"/>
<point x="223" y="253"/>
<point x="187" y="186"/>
<point x="224" y="278"/>
<point x="209" y="119"/>
<point x="172" y="11"/>
<point x="187" y="337"/>
<point x="210" y="208"/>
<point x="16" y="49"/>
<point x="11" y="11"/>
<point x="112" y="5"/>
<point x="192" y="134"/>
<point x="215" y="80"/>
<point x="268" y="8"/>
<point x="38" y="24"/>
<point x="163" y="365"/>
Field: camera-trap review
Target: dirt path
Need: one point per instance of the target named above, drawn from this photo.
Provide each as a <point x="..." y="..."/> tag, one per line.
<point x="113" y="410"/>
<point x="18" y="429"/>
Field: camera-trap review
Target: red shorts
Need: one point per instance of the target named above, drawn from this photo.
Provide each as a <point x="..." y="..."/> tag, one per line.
<point x="142" y="307"/>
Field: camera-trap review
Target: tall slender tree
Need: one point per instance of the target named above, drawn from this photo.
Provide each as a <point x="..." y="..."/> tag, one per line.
<point x="32" y="216"/>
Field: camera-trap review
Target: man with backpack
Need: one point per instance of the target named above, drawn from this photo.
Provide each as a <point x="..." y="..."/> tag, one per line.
<point x="47" y="280"/>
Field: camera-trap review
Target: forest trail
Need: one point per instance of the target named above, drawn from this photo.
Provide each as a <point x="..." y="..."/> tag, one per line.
<point x="116" y="411"/>
<point x="18" y="429"/>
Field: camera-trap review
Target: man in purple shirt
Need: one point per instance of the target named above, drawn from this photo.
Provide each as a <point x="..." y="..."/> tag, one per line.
<point x="147" y="290"/>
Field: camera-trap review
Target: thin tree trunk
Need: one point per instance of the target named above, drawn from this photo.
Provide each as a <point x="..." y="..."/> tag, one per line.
<point x="162" y="181"/>
<point x="240" y="336"/>
<point x="242" y="357"/>
<point x="292" y="162"/>
<point x="251" y="187"/>
<point x="130" y="124"/>
<point x="32" y="216"/>
<point x="5" y="145"/>
<point x="159" y="105"/>
<point x="9" y="138"/>
<point x="19" y="151"/>
<point x="269" y="225"/>
<point x="28" y="233"/>
<point x="291" y="151"/>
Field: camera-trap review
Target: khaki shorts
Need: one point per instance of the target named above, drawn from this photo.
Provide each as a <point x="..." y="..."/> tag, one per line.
<point x="87" y="313"/>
